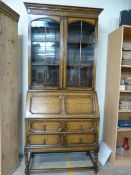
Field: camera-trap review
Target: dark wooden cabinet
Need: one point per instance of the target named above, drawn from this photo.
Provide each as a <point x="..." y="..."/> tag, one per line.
<point x="62" y="108"/>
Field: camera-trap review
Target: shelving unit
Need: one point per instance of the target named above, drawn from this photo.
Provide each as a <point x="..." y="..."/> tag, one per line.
<point x="116" y="98"/>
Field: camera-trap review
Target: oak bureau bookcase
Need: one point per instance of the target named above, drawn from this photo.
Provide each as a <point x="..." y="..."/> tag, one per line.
<point x="62" y="112"/>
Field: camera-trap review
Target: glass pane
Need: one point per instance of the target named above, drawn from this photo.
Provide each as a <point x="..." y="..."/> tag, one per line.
<point x="45" y="52"/>
<point x="74" y="32"/>
<point x="73" y="54"/>
<point x="45" y="76"/>
<point x="88" y="32"/>
<point x="37" y="75"/>
<point x="87" y="54"/>
<point x="45" y="29"/>
<point x="52" y="76"/>
<point x="86" y="77"/>
<point x="80" y="56"/>
<point x="73" y="75"/>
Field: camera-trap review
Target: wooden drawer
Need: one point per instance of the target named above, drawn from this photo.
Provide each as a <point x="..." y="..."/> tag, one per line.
<point x="44" y="139"/>
<point x="80" y="139"/>
<point x="45" y="126"/>
<point x="80" y="125"/>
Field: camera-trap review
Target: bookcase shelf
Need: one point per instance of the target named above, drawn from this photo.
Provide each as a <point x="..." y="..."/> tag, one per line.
<point x="123" y="129"/>
<point x="124" y="110"/>
<point x="125" y="91"/>
<point x="126" y="66"/>
<point x="82" y="42"/>
<point x="43" y="64"/>
<point x="80" y="65"/>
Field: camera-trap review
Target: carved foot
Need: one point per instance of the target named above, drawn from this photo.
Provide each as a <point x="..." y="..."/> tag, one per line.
<point x="27" y="163"/>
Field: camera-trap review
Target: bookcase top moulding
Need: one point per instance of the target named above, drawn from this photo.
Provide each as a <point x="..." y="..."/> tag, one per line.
<point x="62" y="10"/>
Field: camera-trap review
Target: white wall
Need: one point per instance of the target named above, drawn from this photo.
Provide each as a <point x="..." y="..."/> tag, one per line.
<point x="108" y="21"/>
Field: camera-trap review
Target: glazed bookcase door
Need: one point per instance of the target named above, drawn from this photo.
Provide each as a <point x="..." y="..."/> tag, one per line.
<point x="81" y="39"/>
<point x="45" y="53"/>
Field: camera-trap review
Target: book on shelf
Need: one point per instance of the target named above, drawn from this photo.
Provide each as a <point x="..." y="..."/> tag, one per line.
<point x="126" y="62"/>
<point x="127" y="46"/>
<point x="126" y="55"/>
<point x="125" y="104"/>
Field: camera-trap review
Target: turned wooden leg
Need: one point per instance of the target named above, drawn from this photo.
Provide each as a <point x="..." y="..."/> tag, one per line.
<point x="96" y="162"/>
<point x="26" y="163"/>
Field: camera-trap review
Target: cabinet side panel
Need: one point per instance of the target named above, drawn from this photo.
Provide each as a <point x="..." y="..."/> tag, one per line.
<point x="114" y="57"/>
<point x="9" y="94"/>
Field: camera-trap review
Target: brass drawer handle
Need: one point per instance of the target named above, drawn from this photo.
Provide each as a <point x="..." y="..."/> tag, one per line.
<point x="60" y="129"/>
<point x="92" y="129"/>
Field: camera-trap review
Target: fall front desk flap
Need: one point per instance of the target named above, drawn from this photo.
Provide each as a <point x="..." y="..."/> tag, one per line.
<point x="62" y="104"/>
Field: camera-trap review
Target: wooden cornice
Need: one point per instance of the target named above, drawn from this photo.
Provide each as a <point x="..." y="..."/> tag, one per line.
<point x="8" y="11"/>
<point x="34" y="8"/>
